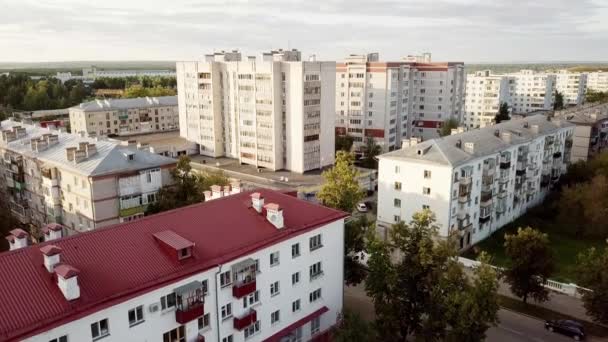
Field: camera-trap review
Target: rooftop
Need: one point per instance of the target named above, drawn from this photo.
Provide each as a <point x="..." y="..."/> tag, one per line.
<point x="138" y="102"/>
<point x="588" y="114"/>
<point x="110" y="156"/>
<point x="125" y="260"/>
<point x="445" y="151"/>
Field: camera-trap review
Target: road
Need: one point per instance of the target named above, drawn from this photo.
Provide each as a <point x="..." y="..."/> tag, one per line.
<point x="513" y="327"/>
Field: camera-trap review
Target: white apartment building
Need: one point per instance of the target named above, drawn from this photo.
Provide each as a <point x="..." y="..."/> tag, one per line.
<point x="125" y="116"/>
<point x="261" y="266"/>
<point x="572" y="85"/>
<point x="591" y="132"/>
<point x="531" y="91"/>
<point x="477" y="181"/>
<point x="484" y="94"/>
<point x="276" y="112"/>
<point x="597" y="81"/>
<point x="83" y="183"/>
<point x="388" y="101"/>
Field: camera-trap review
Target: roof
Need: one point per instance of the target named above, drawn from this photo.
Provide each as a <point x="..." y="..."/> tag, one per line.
<point x="50" y="250"/>
<point x="19" y="233"/>
<point x="109" y="158"/>
<point x="116" y="104"/>
<point x="445" y="151"/>
<point x="585" y="115"/>
<point x="66" y="271"/>
<point x="120" y="262"/>
<point x="173" y="240"/>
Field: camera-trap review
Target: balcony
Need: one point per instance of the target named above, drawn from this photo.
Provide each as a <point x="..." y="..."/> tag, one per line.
<point x="504" y="165"/>
<point x="465" y="180"/>
<point x="189" y="302"/>
<point x="486" y="198"/>
<point x="246" y="320"/>
<point x="557" y="155"/>
<point x="240" y="290"/>
<point x="244" y="273"/>
<point x="132" y="211"/>
<point x="192" y="312"/>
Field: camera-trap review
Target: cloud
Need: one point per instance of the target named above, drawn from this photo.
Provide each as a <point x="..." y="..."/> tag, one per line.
<point x="468" y="30"/>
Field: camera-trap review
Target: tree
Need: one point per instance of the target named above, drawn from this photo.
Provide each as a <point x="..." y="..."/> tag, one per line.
<point x="207" y="179"/>
<point x="7" y="220"/>
<point x="341" y="189"/>
<point x="593" y="96"/>
<point x="344" y="143"/>
<point x="592" y="274"/>
<point x="184" y="191"/>
<point x="353" y="328"/>
<point x="355" y="232"/>
<point x="503" y="113"/>
<point x="583" y="206"/>
<point x="370" y="151"/>
<point x="531" y="263"/>
<point x="419" y="288"/>
<point x="447" y="126"/>
<point x="559" y="101"/>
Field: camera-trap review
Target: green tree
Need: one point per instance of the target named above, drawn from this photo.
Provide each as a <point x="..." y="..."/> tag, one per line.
<point x="370" y="151"/>
<point x="353" y="328"/>
<point x="559" y="101"/>
<point x="592" y="274"/>
<point x="419" y="288"/>
<point x="531" y="263"/>
<point x="207" y="179"/>
<point x="503" y="113"/>
<point x="184" y="191"/>
<point x="7" y="220"/>
<point x="583" y="207"/>
<point x="596" y="96"/>
<point x="341" y="188"/>
<point x="344" y="143"/>
<point x="447" y="126"/>
<point x="355" y="232"/>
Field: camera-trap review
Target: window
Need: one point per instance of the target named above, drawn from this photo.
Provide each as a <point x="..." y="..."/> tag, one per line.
<point x="315" y="325"/>
<point x="176" y="335"/>
<point x="397" y="185"/>
<point x="427" y="174"/>
<point x="426" y="191"/>
<point x="251" y="299"/>
<point x="295" y="278"/>
<point x="315" y="242"/>
<point x="136" y="315"/>
<point x="397" y="203"/>
<point x="397" y="218"/>
<point x="100" y="329"/>
<point x="314" y="295"/>
<point x="396" y="168"/>
<point x="227" y="338"/>
<point x="315" y="270"/>
<point x="184" y="253"/>
<point x="295" y="306"/>
<point x="274" y="259"/>
<point x="252" y="329"/>
<point x="168" y="301"/>
<point x="205" y="287"/>
<point x="225" y="279"/>
<point x="295" y="250"/>
<point x="204" y="322"/>
<point x="63" y="338"/>
<point x="227" y="311"/>
<point x="426" y="207"/>
<point x="274" y="289"/>
<point x="275" y="317"/>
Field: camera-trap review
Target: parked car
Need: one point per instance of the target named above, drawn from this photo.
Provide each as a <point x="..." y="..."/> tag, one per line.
<point x="361" y="207"/>
<point x="567" y="327"/>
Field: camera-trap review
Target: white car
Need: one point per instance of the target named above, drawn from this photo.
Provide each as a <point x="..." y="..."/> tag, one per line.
<point x="361" y="207"/>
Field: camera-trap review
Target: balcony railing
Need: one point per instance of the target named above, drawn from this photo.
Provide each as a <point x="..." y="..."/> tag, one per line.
<point x="190" y="302"/>
<point x="505" y="164"/>
<point x="246" y="320"/>
<point x="192" y="312"/>
<point x="241" y="289"/>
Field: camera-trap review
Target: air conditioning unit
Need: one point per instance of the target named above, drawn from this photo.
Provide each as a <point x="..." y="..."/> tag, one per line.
<point x="154" y="307"/>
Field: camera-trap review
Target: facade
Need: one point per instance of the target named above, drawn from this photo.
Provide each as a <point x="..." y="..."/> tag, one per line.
<point x="597" y="81"/>
<point x="83" y="183"/>
<point x="485" y="92"/>
<point x="531" y="91"/>
<point x="261" y="266"/>
<point x="591" y="132"/>
<point x="389" y="101"/>
<point x="275" y="113"/>
<point x="477" y="181"/>
<point x="572" y="85"/>
<point x="125" y="116"/>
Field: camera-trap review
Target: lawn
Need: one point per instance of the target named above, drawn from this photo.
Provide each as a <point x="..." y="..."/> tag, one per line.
<point x="565" y="247"/>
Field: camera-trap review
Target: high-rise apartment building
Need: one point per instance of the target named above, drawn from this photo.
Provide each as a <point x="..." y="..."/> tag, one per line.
<point x="84" y="183"/>
<point x="572" y="85"/>
<point x="597" y="81"/>
<point x="276" y="112"/>
<point x="484" y="94"/>
<point x="477" y="181"/>
<point x="531" y="91"/>
<point x="389" y="101"/>
<point x="125" y="116"/>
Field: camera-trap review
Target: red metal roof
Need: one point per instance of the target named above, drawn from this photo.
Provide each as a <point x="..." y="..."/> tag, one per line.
<point x="123" y="261"/>
<point x="173" y="240"/>
<point x="66" y="271"/>
<point x="50" y="250"/>
<point x="284" y="332"/>
<point x="19" y="233"/>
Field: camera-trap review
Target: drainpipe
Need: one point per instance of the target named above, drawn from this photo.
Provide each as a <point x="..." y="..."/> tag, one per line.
<point x="217" y="303"/>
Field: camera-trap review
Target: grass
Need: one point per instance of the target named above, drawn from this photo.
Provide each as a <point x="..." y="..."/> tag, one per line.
<point x="546" y="314"/>
<point x="565" y="247"/>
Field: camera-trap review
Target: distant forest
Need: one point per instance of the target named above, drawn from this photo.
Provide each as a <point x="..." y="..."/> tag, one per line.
<point x="507" y="68"/>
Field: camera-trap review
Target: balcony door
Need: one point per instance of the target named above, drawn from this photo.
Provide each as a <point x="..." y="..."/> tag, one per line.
<point x="176" y="335"/>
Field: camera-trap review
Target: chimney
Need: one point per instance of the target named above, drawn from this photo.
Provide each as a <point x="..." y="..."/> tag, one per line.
<point x="67" y="280"/>
<point x="52" y="231"/>
<point x="274" y="215"/>
<point x="506" y="137"/>
<point x="91" y="150"/>
<point x="257" y="201"/>
<point x="227" y="190"/>
<point x="52" y="256"/>
<point x="469" y="147"/>
<point x="17" y="238"/>
<point x="69" y="153"/>
<point x="459" y="143"/>
<point x="207" y="195"/>
<point x="79" y="155"/>
<point x="236" y="187"/>
<point x="497" y="133"/>
<point x="216" y="192"/>
<point x="534" y="129"/>
<point x="52" y="139"/>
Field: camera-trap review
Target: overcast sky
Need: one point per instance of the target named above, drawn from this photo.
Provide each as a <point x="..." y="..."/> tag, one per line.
<point x="463" y="30"/>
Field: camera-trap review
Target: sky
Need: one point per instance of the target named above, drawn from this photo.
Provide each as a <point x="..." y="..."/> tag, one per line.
<point x="454" y="30"/>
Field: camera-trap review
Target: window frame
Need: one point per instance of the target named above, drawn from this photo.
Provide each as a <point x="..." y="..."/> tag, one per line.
<point x="136" y="310"/>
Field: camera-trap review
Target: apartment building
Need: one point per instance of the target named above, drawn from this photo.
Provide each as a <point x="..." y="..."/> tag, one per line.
<point x="597" y="81"/>
<point x="388" y="101"/>
<point x="125" y="116"/>
<point x="477" y="181"/>
<point x="83" y="183"/>
<point x="572" y="85"/>
<point x="275" y="112"/>
<point x="531" y="91"/>
<point x="484" y="94"/>
<point x="260" y="266"/>
<point x="591" y="133"/>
